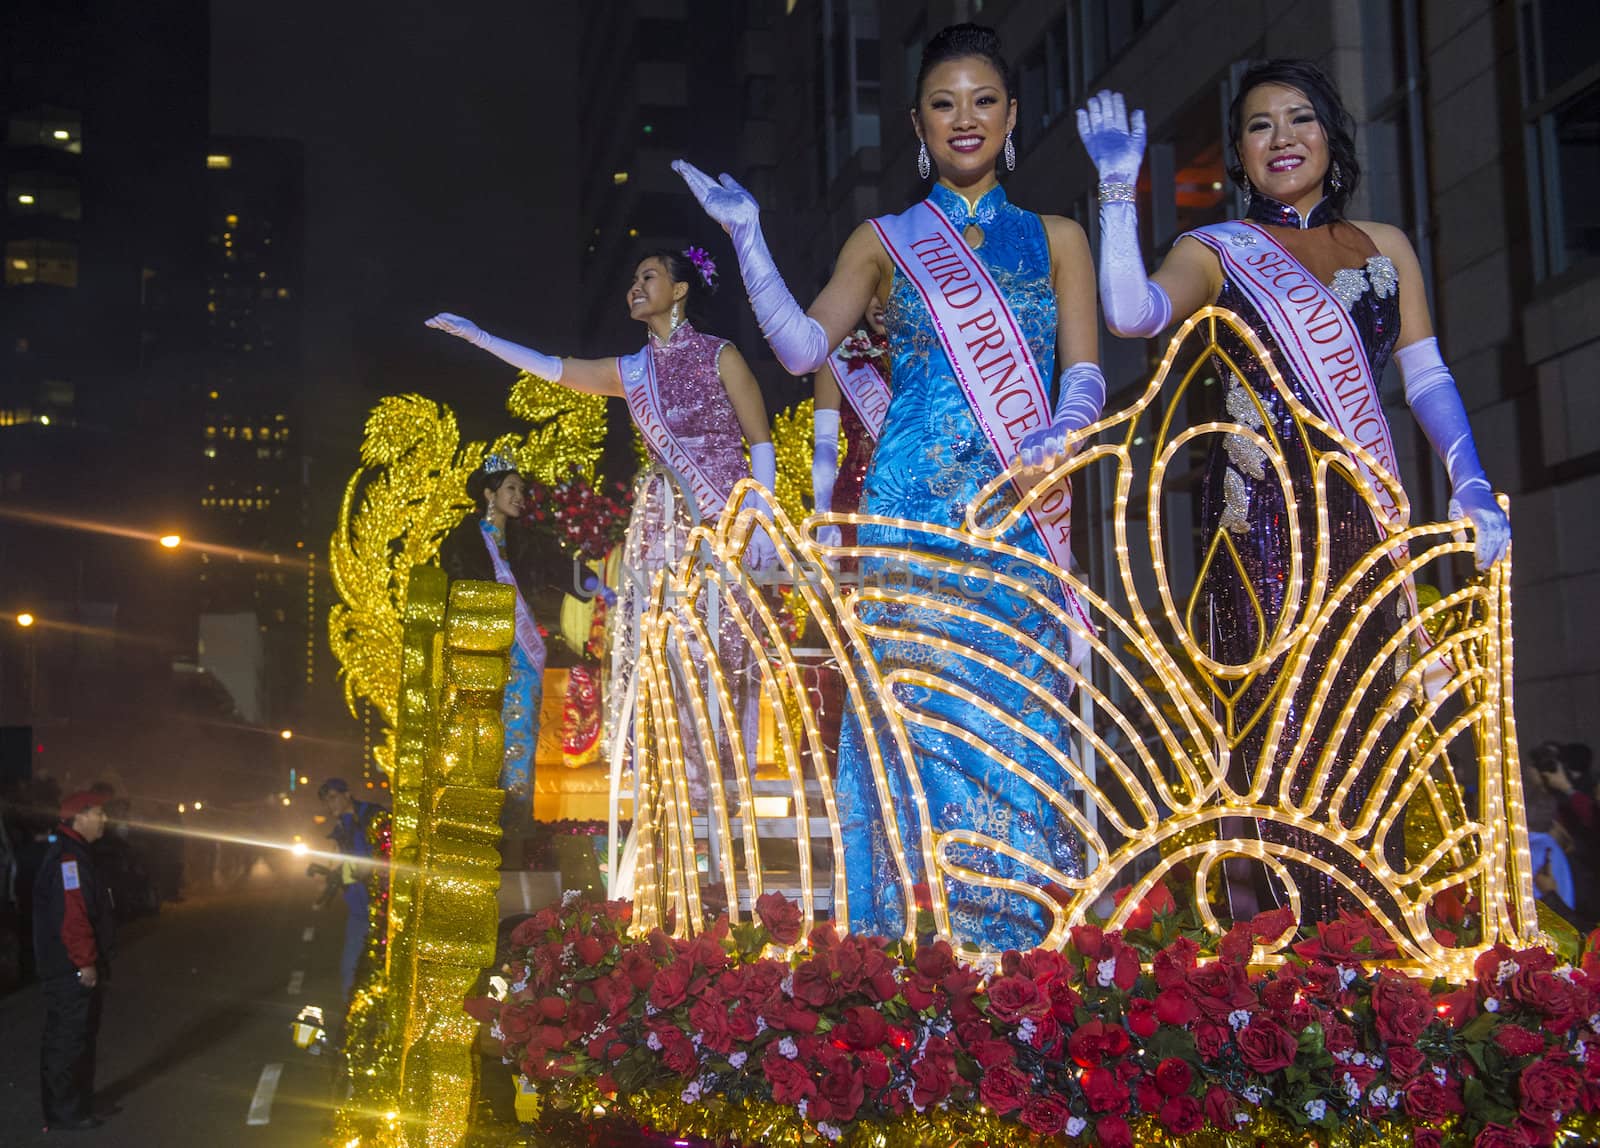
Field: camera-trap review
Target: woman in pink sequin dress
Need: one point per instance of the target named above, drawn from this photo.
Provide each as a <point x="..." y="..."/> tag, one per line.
<point x="695" y="403"/>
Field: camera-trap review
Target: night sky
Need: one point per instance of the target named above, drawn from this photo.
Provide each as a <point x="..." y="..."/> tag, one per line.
<point x="441" y="143"/>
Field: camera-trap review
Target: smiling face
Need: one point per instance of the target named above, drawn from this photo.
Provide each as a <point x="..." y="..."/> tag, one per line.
<point x="652" y="291"/>
<point x="875" y="310"/>
<point x="511" y="498"/>
<point x="1282" y="146"/>
<point x="963" y="114"/>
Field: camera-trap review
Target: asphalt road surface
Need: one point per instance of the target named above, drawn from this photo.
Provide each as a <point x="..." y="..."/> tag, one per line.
<point x="197" y="1015"/>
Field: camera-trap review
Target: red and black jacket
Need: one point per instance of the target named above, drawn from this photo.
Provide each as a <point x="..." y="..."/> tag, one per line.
<point x="73" y="924"/>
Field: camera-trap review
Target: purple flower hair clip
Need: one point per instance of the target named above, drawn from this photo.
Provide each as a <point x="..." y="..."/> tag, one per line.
<point x="703" y="263"/>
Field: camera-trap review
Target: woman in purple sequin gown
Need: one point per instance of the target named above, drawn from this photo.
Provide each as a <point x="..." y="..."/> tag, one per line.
<point x="1295" y="156"/>
<point x="710" y="404"/>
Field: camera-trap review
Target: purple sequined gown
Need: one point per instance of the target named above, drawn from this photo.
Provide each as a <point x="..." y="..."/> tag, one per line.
<point x="698" y="412"/>
<point x="1241" y="497"/>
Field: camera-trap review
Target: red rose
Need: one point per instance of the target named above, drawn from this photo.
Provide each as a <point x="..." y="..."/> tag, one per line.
<point x="1236" y="944"/>
<point x="637" y="966"/>
<point x="936" y="961"/>
<point x="1220" y="988"/>
<point x="814" y="982"/>
<point x="1498" y="1136"/>
<point x="1405" y="1062"/>
<point x="1089" y="940"/>
<point x="1181" y="1115"/>
<point x="841" y="1091"/>
<point x="1270" y="926"/>
<point x="1113" y="1132"/>
<point x="1402" y="1006"/>
<point x="1423" y="1137"/>
<point x="1046" y="1115"/>
<point x="678" y="1053"/>
<point x="1104" y="1091"/>
<point x="1064" y="1002"/>
<point x="1221" y="1107"/>
<point x="671" y="984"/>
<point x="1095" y="1041"/>
<point x="1351" y="939"/>
<point x="711" y="1022"/>
<point x="1176" y="1007"/>
<point x="863" y="1027"/>
<point x="1266" y="1046"/>
<point x="1542" y="1133"/>
<point x="1148" y="1095"/>
<point x="517" y="1023"/>
<point x="1514" y="1040"/>
<point x="792" y="1016"/>
<point x="1015" y="997"/>
<point x="789" y="1081"/>
<point x="1279" y="993"/>
<point x="918" y="991"/>
<point x="1142" y="1018"/>
<point x="1173" y="1075"/>
<point x="931" y="1078"/>
<point x="1042" y="966"/>
<point x="1046" y="1036"/>
<point x="1173" y="964"/>
<point x="874" y="1069"/>
<point x="1210" y="1038"/>
<point x="1428" y="1101"/>
<point x="589" y="951"/>
<point x="1562" y="1003"/>
<point x="1548" y="1086"/>
<point x="1339" y="1037"/>
<point x="1004" y="1089"/>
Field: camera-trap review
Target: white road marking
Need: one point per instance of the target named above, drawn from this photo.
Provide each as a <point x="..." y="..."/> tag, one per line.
<point x="311" y="931"/>
<point x="266" y="1089"/>
<point x="297" y="980"/>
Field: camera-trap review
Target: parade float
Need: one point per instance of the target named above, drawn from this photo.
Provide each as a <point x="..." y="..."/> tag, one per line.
<point x="727" y="1001"/>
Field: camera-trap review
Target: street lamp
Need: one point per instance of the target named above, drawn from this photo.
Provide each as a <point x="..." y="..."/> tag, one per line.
<point x="286" y="734"/>
<point x="24" y="620"/>
<point x="171" y="541"/>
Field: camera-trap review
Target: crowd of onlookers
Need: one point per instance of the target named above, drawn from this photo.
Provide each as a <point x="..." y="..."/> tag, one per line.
<point x="140" y="858"/>
<point x="1561" y="795"/>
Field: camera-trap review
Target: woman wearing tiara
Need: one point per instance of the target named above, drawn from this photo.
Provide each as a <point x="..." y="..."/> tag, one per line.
<point x="966" y="401"/>
<point x="486" y="546"/>
<point x="1331" y="299"/>
<point x="696" y="403"/>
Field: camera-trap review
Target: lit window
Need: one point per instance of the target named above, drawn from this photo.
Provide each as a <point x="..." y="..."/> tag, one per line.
<point x="619" y="178"/>
<point x="219" y="162"/>
<point x="25" y="199"/>
<point x="211" y="452"/>
<point x="54" y="128"/>
<point x="41" y="261"/>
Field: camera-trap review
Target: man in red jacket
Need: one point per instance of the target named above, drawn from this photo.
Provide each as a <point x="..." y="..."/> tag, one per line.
<point x="72" y="938"/>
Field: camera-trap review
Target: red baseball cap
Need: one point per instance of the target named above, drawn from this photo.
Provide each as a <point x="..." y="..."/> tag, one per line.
<point x="76" y="803"/>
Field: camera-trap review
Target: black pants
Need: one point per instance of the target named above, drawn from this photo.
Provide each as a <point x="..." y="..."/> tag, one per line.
<point x="66" y="1055"/>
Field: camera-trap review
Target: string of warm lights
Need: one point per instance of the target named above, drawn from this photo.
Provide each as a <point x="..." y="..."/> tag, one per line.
<point x="1161" y="784"/>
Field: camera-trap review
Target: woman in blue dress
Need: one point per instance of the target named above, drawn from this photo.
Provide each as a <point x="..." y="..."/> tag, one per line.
<point x="963" y="272"/>
<point x="488" y="545"/>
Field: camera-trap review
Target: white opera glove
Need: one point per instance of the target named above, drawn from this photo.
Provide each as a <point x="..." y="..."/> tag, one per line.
<point x="795" y="337"/>
<point x="1083" y="397"/>
<point x="523" y="358"/>
<point x="1134" y="306"/>
<point x="1432" y="396"/>
<point x="760" y="552"/>
<point x="825" y="471"/>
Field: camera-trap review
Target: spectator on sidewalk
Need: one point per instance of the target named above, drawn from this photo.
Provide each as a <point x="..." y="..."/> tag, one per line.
<point x="73" y="931"/>
<point x="351" y="820"/>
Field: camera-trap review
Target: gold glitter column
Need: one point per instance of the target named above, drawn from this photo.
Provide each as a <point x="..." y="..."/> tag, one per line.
<point x="453" y="907"/>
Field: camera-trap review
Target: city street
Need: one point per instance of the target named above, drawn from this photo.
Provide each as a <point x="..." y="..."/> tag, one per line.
<point x="196" y="1018"/>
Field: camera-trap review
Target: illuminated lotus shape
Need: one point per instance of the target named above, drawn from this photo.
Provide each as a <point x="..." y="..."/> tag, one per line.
<point x="1172" y="749"/>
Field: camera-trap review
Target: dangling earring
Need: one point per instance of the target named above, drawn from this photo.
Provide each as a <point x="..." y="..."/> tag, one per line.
<point x="924" y="164"/>
<point x="1247" y="190"/>
<point x="1336" y="178"/>
<point x="1011" y="154"/>
<point x="674" y="316"/>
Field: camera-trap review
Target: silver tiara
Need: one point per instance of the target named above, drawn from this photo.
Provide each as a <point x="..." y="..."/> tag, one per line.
<point x="498" y="464"/>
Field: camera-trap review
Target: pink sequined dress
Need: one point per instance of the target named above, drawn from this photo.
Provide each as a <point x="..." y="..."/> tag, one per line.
<point x="697" y="411"/>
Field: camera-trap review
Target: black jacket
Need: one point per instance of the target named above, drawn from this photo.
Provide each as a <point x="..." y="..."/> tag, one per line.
<point x="463" y="554"/>
<point x="51" y="911"/>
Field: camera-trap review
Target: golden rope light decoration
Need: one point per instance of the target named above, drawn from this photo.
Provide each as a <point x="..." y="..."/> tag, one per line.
<point x="1167" y="722"/>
